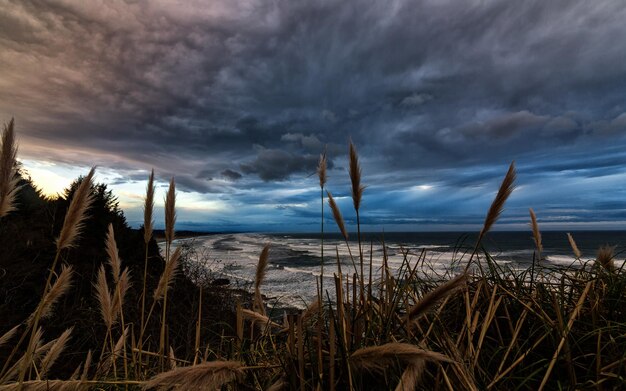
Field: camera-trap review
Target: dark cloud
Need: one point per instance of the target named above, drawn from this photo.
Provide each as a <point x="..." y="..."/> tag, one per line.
<point x="276" y="164"/>
<point x="232" y="175"/>
<point x="228" y="95"/>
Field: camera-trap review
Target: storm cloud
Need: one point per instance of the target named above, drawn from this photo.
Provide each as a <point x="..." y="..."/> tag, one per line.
<point x="237" y="99"/>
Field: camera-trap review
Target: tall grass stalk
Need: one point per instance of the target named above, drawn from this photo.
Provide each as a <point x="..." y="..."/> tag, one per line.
<point x="8" y="170"/>
<point x="170" y="221"/>
<point x="72" y="226"/>
<point x="148" y="223"/>
<point x="357" y="194"/>
<point x="497" y="206"/>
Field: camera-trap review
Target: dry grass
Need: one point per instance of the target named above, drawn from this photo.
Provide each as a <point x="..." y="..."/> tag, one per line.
<point x="337" y="216"/>
<point x="76" y="213"/>
<point x="605" y="257"/>
<point x="8" y="179"/>
<point x="493" y="329"/>
<point x="259" y="276"/>
<point x="206" y="376"/>
<point x="575" y="249"/>
<point x="536" y="233"/>
<point x="378" y="358"/>
<point x="170" y="212"/>
<point x="497" y="206"/>
<point x="168" y="275"/>
<point x="60" y="287"/>
<point x="104" y="298"/>
<point x="355" y="177"/>
<point x="434" y="296"/>
<point x="148" y="209"/>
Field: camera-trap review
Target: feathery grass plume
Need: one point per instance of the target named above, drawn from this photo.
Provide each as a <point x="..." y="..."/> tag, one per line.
<point x="8" y="170"/>
<point x="355" y="177"/>
<point x="411" y="376"/>
<point x="261" y="268"/>
<point x="168" y="276"/>
<point x="337" y="215"/>
<point x="170" y="212"/>
<point x="207" y="376"/>
<point x="104" y="297"/>
<point x="575" y="249"/>
<point x="321" y="173"/>
<point x="605" y="257"/>
<point x="434" y="296"/>
<point x="497" y="206"/>
<point x="62" y="284"/>
<point x="377" y="358"/>
<point x="113" y="256"/>
<point x="25" y="361"/>
<point x="120" y="292"/>
<point x="536" y="232"/>
<point x="119" y="345"/>
<point x="260" y="319"/>
<point x="148" y="224"/>
<point x="76" y="213"/>
<point x="321" y="170"/>
<point x="6" y="337"/>
<point x="148" y="209"/>
<point x="55" y="351"/>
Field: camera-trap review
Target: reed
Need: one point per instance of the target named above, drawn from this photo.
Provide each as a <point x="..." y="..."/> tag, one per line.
<point x="53" y="354"/>
<point x="206" y="376"/>
<point x="536" y="232"/>
<point x="490" y="329"/>
<point x="8" y="170"/>
<point x="72" y="226"/>
<point x="357" y="195"/>
<point x="148" y="223"/>
<point x="572" y="244"/>
<point x="261" y="269"/>
<point x="170" y="222"/>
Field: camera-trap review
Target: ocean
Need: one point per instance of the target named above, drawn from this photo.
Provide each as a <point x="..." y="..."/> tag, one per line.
<point x="295" y="259"/>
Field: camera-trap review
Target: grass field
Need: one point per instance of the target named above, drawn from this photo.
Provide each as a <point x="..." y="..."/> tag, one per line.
<point x="480" y="326"/>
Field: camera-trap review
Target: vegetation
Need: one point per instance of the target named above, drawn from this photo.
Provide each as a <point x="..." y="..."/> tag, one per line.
<point x="123" y="317"/>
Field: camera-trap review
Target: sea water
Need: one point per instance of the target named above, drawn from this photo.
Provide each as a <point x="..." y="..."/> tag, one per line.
<point x="294" y="270"/>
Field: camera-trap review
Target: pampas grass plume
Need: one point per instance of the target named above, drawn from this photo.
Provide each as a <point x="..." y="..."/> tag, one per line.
<point x="355" y="177"/>
<point x="377" y="358"/>
<point x="112" y="254"/>
<point x="169" y="274"/>
<point x="337" y="215"/>
<point x="8" y="179"/>
<point x="536" y="232"/>
<point x="6" y="337"/>
<point x="575" y="249"/>
<point x="120" y="292"/>
<point x="497" y="206"/>
<point x="321" y="170"/>
<point x="55" y="351"/>
<point x="605" y="257"/>
<point x="62" y="284"/>
<point x="261" y="269"/>
<point x="104" y="297"/>
<point x="170" y="211"/>
<point x="206" y="376"/>
<point x="434" y="296"/>
<point x="148" y="210"/>
<point x="76" y="213"/>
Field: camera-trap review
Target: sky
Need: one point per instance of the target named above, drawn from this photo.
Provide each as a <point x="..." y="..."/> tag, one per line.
<point x="236" y="99"/>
